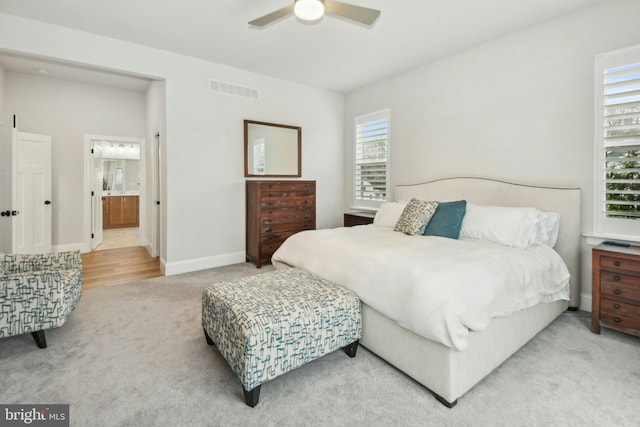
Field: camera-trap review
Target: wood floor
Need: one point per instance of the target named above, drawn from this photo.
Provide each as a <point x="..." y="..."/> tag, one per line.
<point x="121" y="265"/>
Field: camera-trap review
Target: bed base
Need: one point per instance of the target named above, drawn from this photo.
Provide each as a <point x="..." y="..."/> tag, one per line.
<point x="446" y="372"/>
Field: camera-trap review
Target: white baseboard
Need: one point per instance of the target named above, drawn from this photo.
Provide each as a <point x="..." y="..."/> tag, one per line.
<point x="585" y="302"/>
<point x="177" y="267"/>
<point x="187" y="266"/>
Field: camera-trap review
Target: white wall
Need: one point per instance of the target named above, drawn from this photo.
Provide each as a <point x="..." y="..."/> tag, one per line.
<point x="519" y="108"/>
<point x="203" y="143"/>
<point x="67" y="111"/>
<point x="2" y="85"/>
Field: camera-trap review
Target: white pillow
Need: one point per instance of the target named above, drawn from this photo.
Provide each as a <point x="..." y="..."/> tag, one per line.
<point x="516" y="227"/>
<point x="388" y="214"/>
<point x="548" y="228"/>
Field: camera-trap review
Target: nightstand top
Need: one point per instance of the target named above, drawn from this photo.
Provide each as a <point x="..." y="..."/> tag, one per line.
<point x="631" y="250"/>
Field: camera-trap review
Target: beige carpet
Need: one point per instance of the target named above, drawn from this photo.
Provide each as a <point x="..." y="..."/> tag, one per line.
<point x="135" y="355"/>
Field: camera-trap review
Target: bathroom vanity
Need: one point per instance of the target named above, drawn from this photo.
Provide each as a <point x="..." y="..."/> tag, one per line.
<point x="120" y="211"/>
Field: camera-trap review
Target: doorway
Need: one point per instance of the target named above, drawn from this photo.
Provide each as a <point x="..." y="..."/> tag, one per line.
<point x="115" y="205"/>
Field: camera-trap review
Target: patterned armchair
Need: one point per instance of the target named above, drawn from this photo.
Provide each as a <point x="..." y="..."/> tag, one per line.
<point x="38" y="292"/>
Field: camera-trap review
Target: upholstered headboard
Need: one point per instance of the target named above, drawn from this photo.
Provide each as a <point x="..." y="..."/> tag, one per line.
<point x="492" y="192"/>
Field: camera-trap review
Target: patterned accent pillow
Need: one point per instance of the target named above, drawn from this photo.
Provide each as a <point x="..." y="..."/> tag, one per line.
<point x="415" y="217"/>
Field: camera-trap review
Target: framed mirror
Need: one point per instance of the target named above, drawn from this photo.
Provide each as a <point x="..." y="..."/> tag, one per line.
<point x="272" y="150"/>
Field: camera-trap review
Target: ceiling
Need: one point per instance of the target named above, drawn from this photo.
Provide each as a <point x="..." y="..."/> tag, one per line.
<point x="332" y="54"/>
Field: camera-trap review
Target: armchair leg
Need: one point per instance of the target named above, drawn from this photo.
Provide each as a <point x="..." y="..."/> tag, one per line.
<point x="39" y="338"/>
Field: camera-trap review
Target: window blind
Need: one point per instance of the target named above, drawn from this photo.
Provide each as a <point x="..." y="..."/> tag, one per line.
<point x="372" y="158"/>
<point x="621" y="111"/>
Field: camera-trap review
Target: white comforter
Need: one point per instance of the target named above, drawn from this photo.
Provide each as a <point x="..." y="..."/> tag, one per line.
<point x="436" y="287"/>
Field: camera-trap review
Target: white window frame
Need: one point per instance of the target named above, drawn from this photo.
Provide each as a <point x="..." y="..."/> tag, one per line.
<point x="607" y="227"/>
<point x="358" y="203"/>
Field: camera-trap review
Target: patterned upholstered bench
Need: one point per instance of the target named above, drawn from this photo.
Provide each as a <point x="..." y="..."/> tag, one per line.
<point x="268" y="324"/>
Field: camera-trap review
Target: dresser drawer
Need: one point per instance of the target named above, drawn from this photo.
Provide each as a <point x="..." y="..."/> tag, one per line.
<point x="619" y="286"/>
<point x="280" y="236"/>
<point x="287" y="202"/>
<point x="286" y="211"/>
<point x="278" y="194"/>
<point x="616" y="264"/>
<point x="287" y="186"/>
<point x="619" y="314"/>
<point x="272" y="242"/>
<point x="294" y="217"/>
<point x="283" y="228"/>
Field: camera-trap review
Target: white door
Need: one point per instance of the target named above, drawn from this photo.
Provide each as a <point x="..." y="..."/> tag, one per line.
<point x="97" y="176"/>
<point x="33" y="190"/>
<point x="7" y="184"/>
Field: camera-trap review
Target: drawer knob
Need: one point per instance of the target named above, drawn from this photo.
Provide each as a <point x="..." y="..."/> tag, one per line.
<point x="616" y="263"/>
<point x="616" y="278"/>
<point x="616" y="291"/>
<point x="616" y="319"/>
<point x="616" y="306"/>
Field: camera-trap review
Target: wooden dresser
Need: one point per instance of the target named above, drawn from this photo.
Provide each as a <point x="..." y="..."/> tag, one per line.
<point x="616" y="289"/>
<point x="275" y="211"/>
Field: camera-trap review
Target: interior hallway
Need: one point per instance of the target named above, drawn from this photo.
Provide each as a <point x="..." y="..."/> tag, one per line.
<point x="119" y="259"/>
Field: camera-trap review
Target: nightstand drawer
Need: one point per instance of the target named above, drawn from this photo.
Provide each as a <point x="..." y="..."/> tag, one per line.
<point x="358" y="218"/>
<point x="620" y="286"/>
<point x="620" y="315"/>
<point x="616" y="264"/>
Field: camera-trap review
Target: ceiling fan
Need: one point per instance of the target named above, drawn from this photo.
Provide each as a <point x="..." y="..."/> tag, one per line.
<point x="313" y="10"/>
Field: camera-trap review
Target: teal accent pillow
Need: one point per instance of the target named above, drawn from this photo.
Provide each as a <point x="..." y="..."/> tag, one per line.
<point x="447" y="221"/>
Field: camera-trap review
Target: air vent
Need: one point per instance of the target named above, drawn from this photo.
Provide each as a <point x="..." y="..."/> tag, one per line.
<point x="233" y="89"/>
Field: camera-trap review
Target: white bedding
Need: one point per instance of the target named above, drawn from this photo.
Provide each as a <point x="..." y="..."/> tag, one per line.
<point x="438" y="288"/>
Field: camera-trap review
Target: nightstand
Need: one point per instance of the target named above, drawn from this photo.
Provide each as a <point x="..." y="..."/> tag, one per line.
<point x="358" y="218"/>
<point x="615" y="289"/>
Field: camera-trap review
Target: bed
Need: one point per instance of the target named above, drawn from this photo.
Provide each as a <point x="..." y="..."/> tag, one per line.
<point x="451" y="368"/>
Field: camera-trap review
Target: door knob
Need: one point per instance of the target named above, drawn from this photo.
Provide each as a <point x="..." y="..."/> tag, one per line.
<point x="47" y="202"/>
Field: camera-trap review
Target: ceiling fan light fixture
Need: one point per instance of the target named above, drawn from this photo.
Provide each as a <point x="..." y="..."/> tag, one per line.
<point x="309" y="10"/>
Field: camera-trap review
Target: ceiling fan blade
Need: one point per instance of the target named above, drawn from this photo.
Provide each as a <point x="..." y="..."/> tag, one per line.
<point x="271" y="17"/>
<point x="363" y="15"/>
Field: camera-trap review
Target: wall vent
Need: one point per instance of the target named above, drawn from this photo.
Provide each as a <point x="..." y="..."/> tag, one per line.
<point x="233" y="89"/>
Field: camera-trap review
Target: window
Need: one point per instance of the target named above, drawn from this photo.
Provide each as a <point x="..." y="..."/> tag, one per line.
<point x="618" y="144"/>
<point x="259" y="157"/>
<point x="371" y="159"/>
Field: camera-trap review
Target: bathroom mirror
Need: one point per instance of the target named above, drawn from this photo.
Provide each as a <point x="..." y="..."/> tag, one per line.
<point x="272" y="150"/>
<point x="120" y="176"/>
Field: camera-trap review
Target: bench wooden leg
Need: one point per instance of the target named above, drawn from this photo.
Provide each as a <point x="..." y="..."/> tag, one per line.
<point x="39" y="338"/>
<point x="251" y="397"/>
<point x="207" y="337"/>
<point x="351" y="349"/>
